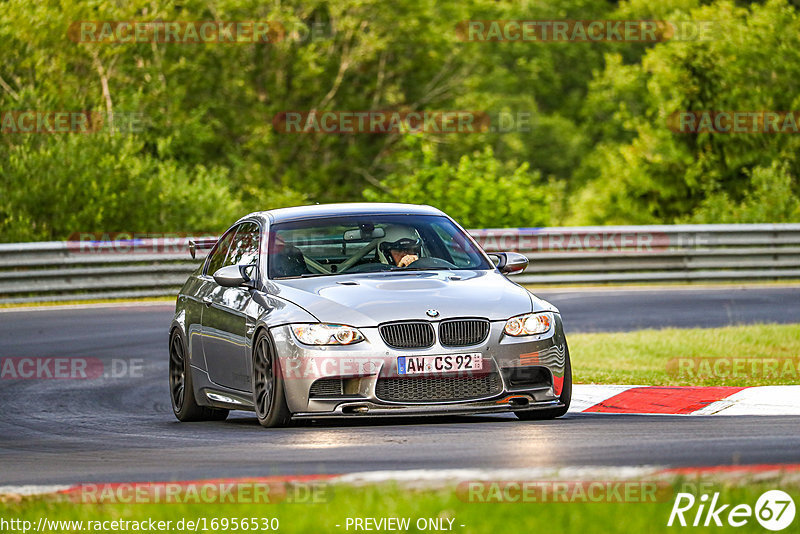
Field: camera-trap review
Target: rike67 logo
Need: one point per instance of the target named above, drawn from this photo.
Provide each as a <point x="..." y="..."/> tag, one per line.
<point x="774" y="510"/>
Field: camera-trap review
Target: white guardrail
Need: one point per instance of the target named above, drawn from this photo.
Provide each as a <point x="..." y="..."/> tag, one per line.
<point x="78" y="270"/>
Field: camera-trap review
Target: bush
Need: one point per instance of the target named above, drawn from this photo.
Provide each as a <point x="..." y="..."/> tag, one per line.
<point x="770" y="198"/>
<point x="478" y="192"/>
<point x="91" y="183"/>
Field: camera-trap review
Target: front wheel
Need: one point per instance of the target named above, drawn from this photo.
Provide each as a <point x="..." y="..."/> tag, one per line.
<point x="184" y="405"/>
<point x="269" y="399"/>
<point x="565" y="397"/>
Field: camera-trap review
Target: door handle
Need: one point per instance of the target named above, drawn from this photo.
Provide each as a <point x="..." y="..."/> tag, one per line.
<point x="207" y="301"/>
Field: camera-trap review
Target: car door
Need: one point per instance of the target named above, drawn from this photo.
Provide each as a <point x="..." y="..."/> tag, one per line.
<point x="199" y="298"/>
<point x="225" y="323"/>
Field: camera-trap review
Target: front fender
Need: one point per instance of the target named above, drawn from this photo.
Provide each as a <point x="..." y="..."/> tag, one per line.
<point x="270" y="311"/>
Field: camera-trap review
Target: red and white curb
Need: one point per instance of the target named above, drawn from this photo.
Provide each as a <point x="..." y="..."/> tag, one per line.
<point x="724" y="400"/>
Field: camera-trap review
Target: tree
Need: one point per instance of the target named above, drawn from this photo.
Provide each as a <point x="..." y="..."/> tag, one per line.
<point x="478" y="191"/>
<point x="643" y="172"/>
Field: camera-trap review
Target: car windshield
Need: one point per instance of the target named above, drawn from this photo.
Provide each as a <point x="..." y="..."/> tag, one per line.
<point x="366" y="244"/>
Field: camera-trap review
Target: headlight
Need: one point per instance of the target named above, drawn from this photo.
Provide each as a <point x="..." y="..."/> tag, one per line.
<point x="529" y="324"/>
<point x="326" y="334"/>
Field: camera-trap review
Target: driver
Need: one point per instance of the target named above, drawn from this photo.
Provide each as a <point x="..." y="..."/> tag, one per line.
<point x="404" y="251"/>
<point x="401" y="246"/>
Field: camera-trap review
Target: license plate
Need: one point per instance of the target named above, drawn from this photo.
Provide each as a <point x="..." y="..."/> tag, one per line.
<point x="445" y="363"/>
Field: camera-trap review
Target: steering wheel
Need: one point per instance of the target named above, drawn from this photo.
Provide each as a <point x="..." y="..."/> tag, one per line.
<point x="369" y="268"/>
<point x="431" y="263"/>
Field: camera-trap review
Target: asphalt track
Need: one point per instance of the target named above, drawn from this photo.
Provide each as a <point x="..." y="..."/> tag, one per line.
<point x="122" y="429"/>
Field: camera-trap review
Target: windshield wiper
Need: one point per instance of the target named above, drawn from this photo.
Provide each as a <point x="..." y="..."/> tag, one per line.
<point x="396" y="269"/>
<point x="304" y="275"/>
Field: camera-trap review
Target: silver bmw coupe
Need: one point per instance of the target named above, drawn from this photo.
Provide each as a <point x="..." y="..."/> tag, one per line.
<point x="361" y="310"/>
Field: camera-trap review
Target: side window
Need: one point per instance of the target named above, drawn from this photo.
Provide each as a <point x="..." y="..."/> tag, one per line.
<point x="244" y="248"/>
<point x="216" y="259"/>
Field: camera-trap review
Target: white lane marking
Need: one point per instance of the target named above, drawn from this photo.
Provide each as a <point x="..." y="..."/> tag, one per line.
<point x="758" y="400"/>
<point x="29" y="490"/>
<point x="444" y="476"/>
<point x="584" y="396"/>
<point x="435" y="477"/>
<point x="89" y="306"/>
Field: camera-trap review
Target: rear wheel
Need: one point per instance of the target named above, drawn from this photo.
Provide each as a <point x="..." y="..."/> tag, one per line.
<point x="565" y="397"/>
<point x="268" y="394"/>
<point x="184" y="405"/>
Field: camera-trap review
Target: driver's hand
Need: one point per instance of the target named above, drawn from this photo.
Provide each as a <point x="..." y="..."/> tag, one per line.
<point x="407" y="260"/>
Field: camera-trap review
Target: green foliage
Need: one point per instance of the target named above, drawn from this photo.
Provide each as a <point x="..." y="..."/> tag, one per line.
<point x="770" y="197"/>
<point x="642" y="172"/>
<point x="477" y="191"/>
<point x="103" y="183"/>
<point x="595" y="149"/>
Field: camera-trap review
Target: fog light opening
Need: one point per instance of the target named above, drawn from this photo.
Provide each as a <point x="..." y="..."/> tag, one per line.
<point x="519" y="402"/>
<point x="355" y="409"/>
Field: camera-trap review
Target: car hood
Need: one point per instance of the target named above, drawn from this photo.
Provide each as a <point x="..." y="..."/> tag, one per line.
<point x="364" y="300"/>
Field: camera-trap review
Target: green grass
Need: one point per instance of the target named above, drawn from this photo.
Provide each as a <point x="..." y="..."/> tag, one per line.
<point x="650" y="357"/>
<point x="392" y="501"/>
<point x="668" y="284"/>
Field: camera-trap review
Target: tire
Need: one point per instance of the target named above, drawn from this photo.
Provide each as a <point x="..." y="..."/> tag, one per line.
<point x="184" y="405"/>
<point x="269" y="399"/>
<point x="565" y="397"/>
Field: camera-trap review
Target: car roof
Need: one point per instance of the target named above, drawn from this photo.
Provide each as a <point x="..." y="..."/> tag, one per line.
<point x="344" y="209"/>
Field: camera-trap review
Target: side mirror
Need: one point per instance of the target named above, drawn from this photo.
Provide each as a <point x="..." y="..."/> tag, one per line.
<point x="232" y="276"/>
<point x="509" y="262"/>
<point x="200" y="244"/>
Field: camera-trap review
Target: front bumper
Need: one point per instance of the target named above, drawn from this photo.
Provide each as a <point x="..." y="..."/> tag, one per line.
<point x="530" y="372"/>
<point x="369" y="409"/>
